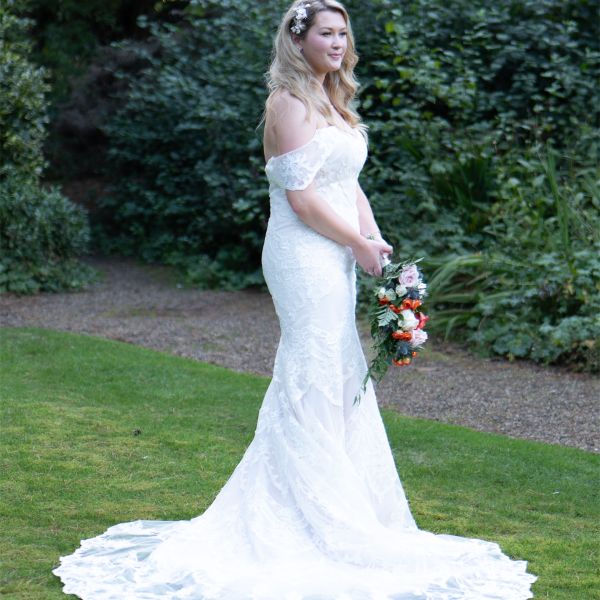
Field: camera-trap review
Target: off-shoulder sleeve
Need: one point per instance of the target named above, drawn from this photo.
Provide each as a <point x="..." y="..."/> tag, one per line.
<point x="296" y="169"/>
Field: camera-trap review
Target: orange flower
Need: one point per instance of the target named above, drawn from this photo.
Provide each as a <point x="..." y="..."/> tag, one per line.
<point x="402" y="335"/>
<point x="410" y="303"/>
<point x="395" y="308"/>
<point x="414" y="353"/>
<point x="383" y="301"/>
<point x="401" y="362"/>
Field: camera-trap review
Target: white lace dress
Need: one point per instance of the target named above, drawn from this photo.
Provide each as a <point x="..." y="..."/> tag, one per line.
<point x="315" y="509"/>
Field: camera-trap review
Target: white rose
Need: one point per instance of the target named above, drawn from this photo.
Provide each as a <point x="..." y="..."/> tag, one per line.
<point x="409" y="321"/>
<point x="381" y="293"/>
<point x="400" y="289"/>
<point x="418" y="338"/>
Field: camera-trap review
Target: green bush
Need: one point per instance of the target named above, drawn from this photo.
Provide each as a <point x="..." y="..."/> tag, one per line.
<point x="534" y="290"/>
<point x="41" y="235"/>
<point x="68" y="32"/>
<point x="459" y="95"/>
<point x="23" y="115"/>
<point x="452" y="86"/>
<point x="185" y="157"/>
<point x="41" y="232"/>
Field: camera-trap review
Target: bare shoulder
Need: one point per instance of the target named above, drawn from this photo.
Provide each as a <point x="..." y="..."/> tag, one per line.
<point x="287" y="108"/>
<point x="288" y="123"/>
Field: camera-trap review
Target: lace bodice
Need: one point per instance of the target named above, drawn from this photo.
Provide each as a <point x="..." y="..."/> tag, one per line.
<point x="327" y="157"/>
<point x="332" y="159"/>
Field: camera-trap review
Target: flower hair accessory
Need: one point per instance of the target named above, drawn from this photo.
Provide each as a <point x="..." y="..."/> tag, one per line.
<point x="299" y="25"/>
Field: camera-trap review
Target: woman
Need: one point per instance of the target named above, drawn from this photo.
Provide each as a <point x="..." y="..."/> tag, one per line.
<point x="315" y="509"/>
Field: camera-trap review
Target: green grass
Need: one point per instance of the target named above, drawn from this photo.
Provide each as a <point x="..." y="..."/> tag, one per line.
<point x="71" y="465"/>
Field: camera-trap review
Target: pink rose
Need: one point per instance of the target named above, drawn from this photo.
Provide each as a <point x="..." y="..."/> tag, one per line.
<point x="409" y="276"/>
<point x="418" y="337"/>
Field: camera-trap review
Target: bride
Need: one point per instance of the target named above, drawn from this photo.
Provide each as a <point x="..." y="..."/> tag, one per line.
<point x="315" y="509"/>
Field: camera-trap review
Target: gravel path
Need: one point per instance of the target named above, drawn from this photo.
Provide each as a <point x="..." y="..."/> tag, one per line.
<point x="145" y="305"/>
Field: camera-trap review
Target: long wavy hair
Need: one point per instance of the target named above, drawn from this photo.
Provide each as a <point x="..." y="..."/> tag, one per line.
<point x="289" y="70"/>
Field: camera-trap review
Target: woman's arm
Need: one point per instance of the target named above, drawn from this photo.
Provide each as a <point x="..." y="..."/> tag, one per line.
<point x="316" y="213"/>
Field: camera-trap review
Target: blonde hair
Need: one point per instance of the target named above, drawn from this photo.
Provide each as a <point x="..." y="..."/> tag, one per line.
<point x="290" y="71"/>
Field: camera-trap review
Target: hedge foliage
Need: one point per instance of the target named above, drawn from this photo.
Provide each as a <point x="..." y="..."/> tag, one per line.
<point x="41" y="232"/>
<point x="41" y="235"/>
<point x="484" y="122"/>
<point x="185" y="156"/>
<point x="67" y="33"/>
<point x="23" y="117"/>
<point x="463" y="100"/>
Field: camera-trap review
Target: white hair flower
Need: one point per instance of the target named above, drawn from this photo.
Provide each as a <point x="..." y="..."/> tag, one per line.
<point x="299" y="26"/>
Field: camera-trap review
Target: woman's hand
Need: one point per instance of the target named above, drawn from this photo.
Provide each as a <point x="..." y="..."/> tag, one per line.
<point x="368" y="254"/>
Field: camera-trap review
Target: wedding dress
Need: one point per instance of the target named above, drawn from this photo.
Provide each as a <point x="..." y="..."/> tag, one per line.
<point x="315" y="509"/>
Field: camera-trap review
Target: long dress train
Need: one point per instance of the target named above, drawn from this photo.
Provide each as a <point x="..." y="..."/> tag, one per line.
<point x="315" y="509"/>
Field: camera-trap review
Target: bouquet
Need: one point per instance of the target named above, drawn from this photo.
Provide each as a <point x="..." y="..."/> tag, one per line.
<point x="396" y="319"/>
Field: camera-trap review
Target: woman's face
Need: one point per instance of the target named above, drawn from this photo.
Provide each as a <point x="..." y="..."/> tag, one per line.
<point x="325" y="42"/>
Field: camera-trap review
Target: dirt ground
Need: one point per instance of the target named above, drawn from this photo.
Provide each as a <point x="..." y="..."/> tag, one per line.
<point x="147" y="306"/>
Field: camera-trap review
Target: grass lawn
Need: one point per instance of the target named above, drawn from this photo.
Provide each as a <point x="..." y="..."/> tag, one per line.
<point x="73" y="462"/>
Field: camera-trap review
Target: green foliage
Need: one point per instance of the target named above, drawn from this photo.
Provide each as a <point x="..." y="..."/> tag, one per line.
<point x="41" y="232"/>
<point x="68" y="32"/>
<point x="185" y="157"/>
<point x="534" y="291"/>
<point x="23" y="116"/>
<point x="452" y="86"/>
<point x="459" y="97"/>
<point x="510" y="71"/>
<point x="41" y="235"/>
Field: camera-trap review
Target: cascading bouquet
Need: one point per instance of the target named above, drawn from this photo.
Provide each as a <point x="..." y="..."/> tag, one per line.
<point x="396" y="319"/>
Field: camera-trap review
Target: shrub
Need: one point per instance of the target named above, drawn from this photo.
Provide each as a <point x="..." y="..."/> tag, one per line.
<point x="68" y="32"/>
<point x="41" y="235"/>
<point x="459" y="96"/>
<point x="533" y="291"/>
<point x="185" y="158"/>
<point x="41" y="232"/>
<point x="452" y="86"/>
<point x="23" y="115"/>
